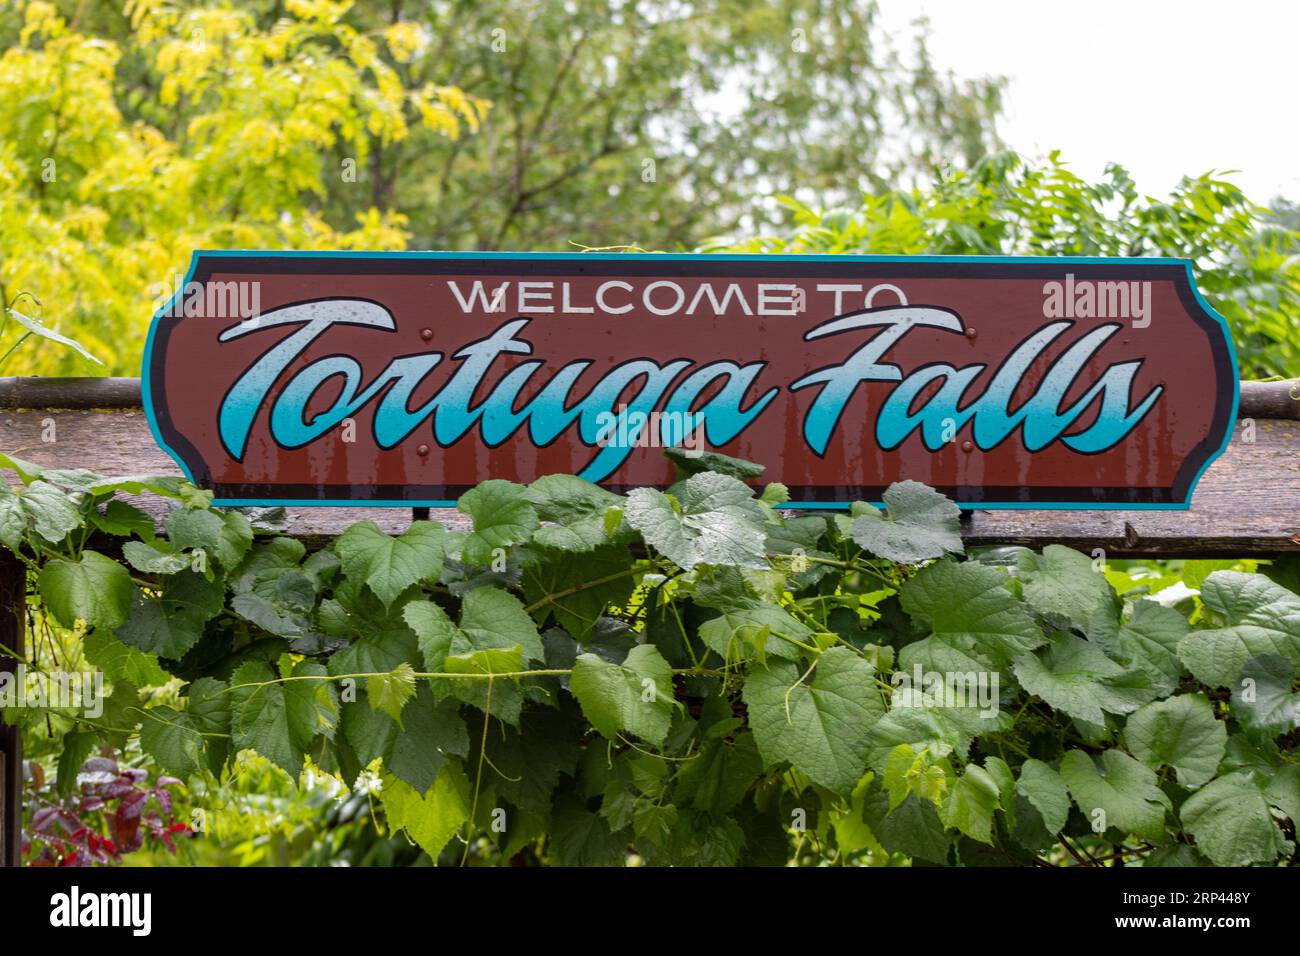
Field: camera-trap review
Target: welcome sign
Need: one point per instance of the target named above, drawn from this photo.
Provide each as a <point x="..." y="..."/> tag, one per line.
<point x="407" y="378"/>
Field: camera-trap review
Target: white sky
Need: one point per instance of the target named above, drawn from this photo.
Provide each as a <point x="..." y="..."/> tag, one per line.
<point x="1166" y="88"/>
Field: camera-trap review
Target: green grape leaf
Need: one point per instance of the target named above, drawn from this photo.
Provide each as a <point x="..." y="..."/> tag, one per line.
<point x="370" y="733"/>
<point x="531" y="760"/>
<point x="1229" y="819"/>
<point x="120" y="661"/>
<point x="489" y="618"/>
<point x="1001" y="774"/>
<point x="703" y="839"/>
<point x="36" y="327"/>
<point x="936" y="657"/>
<point x="634" y="697"/>
<point x="897" y="775"/>
<point x="271" y="719"/>
<point x="852" y="832"/>
<point x="72" y="479"/>
<point x="434" y="631"/>
<point x="284" y="609"/>
<point x="820" y="726"/>
<point x="718" y="779"/>
<point x="921" y="728"/>
<point x="576" y="507"/>
<point x="13" y="521"/>
<point x="313" y="703"/>
<point x="122" y="520"/>
<point x="171" y="738"/>
<point x="1262" y="618"/>
<point x="390" y="692"/>
<point x="209" y="711"/>
<point x="800" y="537"/>
<point x="166" y="486"/>
<point x="577" y="587"/>
<point x="920" y="524"/>
<point x="78" y="745"/>
<point x="226" y="537"/>
<point x="503" y="516"/>
<point x="693" y="461"/>
<point x="40" y="505"/>
<point x="1263" y="699"/>
<point x="913" y="828"/>
<point x="121" y="714"/>
<point x="431" y="732"/>
<point x="1076" y="677"/>
<point x="1124" y="790"/>
<point x="1282" y="789"/>
<point x="95" y="589"/>
<point x="152" y="560"/>
<point x="753" y="628"/>
<point x="430" y="819"/>
<point x="581" y="838"/>
<point x="1045" y="789"/>
<point x="969" y="608"/>
<point x="170" y="624"/>
<point x="1147" y="640"/>
<point x="970" y="802"/>
<point x="1063" y="582"/>
<point x="501" y="698"/>
<point x="1180" y="732"/>
<point x="380" y="651"/>
<point x="390" y="565"/>
<point x="25" y="470"/>
<point x="716" y="521"/>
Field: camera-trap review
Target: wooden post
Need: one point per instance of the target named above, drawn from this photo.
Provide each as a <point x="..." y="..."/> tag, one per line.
<point x="13" y="594"/>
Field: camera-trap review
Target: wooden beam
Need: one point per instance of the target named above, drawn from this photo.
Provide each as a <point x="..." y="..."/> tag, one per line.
<point x="38" y="391"/>
<point x="1270" y="400"/>
<point x="1258" y="399"/>
<point x="1247" y="502"/>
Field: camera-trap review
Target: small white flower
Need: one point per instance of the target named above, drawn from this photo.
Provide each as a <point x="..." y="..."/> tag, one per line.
<point x="367" y="782"/>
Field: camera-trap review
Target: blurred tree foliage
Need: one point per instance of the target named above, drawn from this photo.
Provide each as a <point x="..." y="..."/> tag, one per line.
<point x="664" y="123"/>
<point x="136" y="132"/>
<point x="195" y="129"/>
<point x="1284" y="216"/>
<point x="133" y="133"/>
<point x="1245" y="261"/>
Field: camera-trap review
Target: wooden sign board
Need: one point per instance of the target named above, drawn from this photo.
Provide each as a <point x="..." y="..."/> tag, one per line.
<point x="407" y="378"/>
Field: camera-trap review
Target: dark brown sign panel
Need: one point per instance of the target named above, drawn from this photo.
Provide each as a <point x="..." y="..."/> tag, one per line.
<point x="406" y="378"/>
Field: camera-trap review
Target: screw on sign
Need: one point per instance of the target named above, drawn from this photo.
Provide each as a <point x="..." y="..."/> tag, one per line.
<point x="1003" y="382"/>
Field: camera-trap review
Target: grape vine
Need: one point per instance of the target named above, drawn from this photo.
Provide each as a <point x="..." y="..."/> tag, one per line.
<point x="683" y="677"/>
